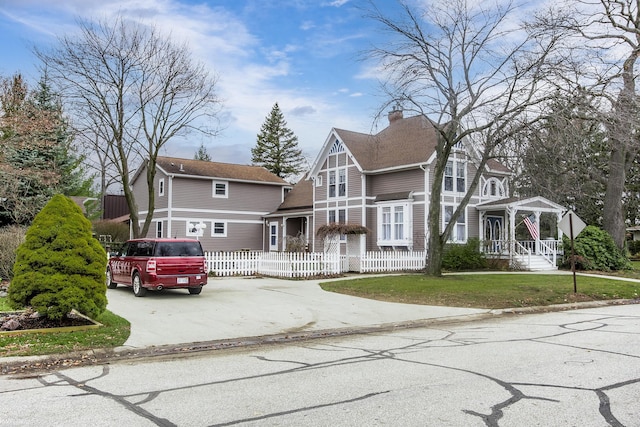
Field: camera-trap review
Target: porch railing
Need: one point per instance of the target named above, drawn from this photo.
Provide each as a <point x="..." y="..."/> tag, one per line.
<point x="524" y="249"/>
<point x="549" y="250"/>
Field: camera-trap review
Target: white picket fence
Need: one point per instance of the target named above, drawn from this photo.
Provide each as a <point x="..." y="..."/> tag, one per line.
<point x="304" y="264"/>
<point x="380" y="261"/>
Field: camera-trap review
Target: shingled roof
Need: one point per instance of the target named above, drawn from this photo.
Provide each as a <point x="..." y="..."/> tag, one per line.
<point x="406" y="141"/>
<point x="201" y="168"/>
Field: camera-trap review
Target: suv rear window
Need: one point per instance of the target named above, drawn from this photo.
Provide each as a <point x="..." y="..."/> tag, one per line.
<point x="178" y="249"/>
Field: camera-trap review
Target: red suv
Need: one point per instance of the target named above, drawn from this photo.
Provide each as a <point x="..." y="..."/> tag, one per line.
<point x="157" y="264"/>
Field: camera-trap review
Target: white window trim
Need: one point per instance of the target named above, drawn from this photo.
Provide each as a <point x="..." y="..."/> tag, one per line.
<point x="453" y="237"/>
<point x="407" y="224"/>
<point x="336" y="213"/>
<point x="457" y="163"/>
<point x="161" y="187"/>
<point x="226" y="189"/>
<point x="159" y="228"/>
<point x="319" y="180"/>
<point x="337" y="173"/>
<point x="213" y="228"/>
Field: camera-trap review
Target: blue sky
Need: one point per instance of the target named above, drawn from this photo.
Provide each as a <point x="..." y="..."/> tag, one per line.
<point x="303" y="54"/>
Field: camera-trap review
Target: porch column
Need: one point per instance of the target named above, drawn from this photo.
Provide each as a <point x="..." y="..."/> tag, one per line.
<point x="537" y="224"/>
<point x="306" y="233"/>
<point x="512" y="232"/>
<point x="558" y="219"/>
<point x="283" y="244"/>
<point x="481" y="230"/>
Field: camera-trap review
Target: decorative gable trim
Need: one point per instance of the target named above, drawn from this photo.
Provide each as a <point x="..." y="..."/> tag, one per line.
<point x="332" y="145"/>
<point x="337" y="147"/>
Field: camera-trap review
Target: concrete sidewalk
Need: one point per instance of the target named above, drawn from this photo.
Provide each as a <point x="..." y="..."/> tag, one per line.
<point x="232" y="308"/>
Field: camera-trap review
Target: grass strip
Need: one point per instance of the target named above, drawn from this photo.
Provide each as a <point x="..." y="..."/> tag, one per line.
<point x="491" y="291"/>
<point x="114" y="333"/>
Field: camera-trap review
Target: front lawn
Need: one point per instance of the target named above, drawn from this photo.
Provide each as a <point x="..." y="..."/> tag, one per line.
<point x="485" y="290"/>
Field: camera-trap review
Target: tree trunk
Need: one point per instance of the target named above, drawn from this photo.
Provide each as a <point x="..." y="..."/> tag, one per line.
<point x="435" y="242"/>
<point x="613" y="213"/>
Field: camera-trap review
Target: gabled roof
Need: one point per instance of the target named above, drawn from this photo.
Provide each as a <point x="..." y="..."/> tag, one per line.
<point x="229" y="171"/>
<point x="299" y="199"/>
<point x="406" y="141"/>
<point x="537" y="203"/>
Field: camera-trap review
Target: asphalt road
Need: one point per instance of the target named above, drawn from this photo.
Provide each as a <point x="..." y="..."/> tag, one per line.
<point x="569" y="368"/>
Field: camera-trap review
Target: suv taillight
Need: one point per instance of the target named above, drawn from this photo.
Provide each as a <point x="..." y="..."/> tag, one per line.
<point x="151" y="266"/>
<point x="204" y="266"/>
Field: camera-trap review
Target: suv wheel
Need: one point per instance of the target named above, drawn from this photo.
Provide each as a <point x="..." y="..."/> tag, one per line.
<point x="195" y="291"/>
<point x="110" y="283"/>
<point x="138" y="290"/>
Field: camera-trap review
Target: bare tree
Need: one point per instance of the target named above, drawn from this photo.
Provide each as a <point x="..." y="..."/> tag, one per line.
<point x="136" y="90"/>
<point x="473" y="73"/>
<point x="605" y="45"/>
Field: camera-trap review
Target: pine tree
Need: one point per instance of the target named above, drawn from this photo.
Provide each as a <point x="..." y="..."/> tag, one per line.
<point x="202" y="154"/>
<point x="37" y="156"/>
<point x="277" y="147"/>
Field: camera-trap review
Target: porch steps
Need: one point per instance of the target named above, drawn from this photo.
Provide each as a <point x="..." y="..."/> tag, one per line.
<point x="534" y="263"/>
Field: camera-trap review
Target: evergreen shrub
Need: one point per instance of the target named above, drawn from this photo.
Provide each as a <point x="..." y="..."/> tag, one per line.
<point x="467" y="256"/>
<point x="60" y="266"/>
<point x="594" y="250"/>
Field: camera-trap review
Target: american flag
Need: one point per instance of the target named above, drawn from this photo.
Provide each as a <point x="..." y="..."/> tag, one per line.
<point x="531" y="226"/>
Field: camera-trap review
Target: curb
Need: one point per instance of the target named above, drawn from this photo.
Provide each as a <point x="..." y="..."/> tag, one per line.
<point x="24" y="367"/>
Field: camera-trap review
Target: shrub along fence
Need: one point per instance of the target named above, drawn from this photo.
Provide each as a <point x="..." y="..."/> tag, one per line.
<point x="308" y="264"/>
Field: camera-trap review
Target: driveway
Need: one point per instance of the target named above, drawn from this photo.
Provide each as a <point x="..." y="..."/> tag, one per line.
<point x="230" y="308"/>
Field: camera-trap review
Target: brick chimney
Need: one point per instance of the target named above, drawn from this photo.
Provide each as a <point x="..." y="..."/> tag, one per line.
<point x="395" y="114"/>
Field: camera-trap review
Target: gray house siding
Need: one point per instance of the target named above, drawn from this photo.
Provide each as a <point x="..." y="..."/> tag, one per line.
<point x="233" y="221"/>
<point x="410" y="180"/>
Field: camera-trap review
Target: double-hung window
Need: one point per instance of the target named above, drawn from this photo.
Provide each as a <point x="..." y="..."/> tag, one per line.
<point x="338" y="182"/>
<point x="332" y="183"/>
<point x="455" y="175"/>
<point x="459" y="231"/>
<point x="338" y="216"/>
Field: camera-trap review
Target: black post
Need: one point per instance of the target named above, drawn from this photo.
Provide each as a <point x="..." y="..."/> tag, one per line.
<point x="573" y="254"/>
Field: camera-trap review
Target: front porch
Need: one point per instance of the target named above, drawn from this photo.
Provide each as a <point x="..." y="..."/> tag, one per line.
<point x="511" y="230"/>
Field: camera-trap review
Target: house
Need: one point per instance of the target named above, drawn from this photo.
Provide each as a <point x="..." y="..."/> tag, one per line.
<point x="383" y="182"/>
<point x="220" y="204"/>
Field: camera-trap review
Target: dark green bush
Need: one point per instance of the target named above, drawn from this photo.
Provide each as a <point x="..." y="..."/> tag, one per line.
<point x="594" y="250"/>
<point x="634" y="247"/>
<point x="60" y="266"/>
<point x="460" y="257"/>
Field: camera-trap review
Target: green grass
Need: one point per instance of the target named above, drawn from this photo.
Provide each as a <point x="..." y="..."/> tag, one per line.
<point x="113" y="334"/>
<point x="485" y="290"/>
<point x="4" y="305"/>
